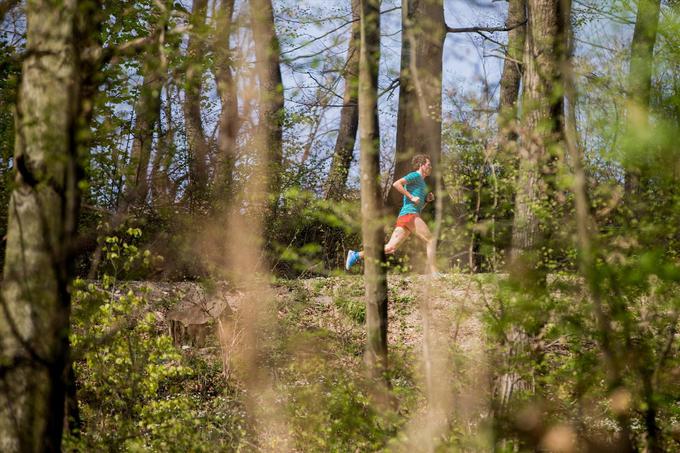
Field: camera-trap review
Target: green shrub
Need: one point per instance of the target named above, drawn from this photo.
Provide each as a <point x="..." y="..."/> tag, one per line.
<point x="136" y="391"/>
<point x="330" y="410"/>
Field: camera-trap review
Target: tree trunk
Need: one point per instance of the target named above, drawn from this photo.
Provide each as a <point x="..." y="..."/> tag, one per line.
<point x="418" y="131"/>
<point x="542" y="120"/>
<point x="267" y="52"/>
<point x="162" y="189"/>
<point x="502" y="150"/>
<point x="585" y="228"/>
<point x="196" y="140"/>
<point x="512" y="72"/>
<point x="72" y="411"/>
<point x="52" y="109"/>
<point x="229" y="121"/>
<point x="147" y="115"/>
<point x="349" y="115"/>
<point x="542" y="131"/>
<point x="371" y="197"/>
<point x="639" y="87"/>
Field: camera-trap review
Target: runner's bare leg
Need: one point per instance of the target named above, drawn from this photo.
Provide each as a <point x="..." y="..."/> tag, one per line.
<point x="398" y="237"/>
<point x="424" y="234"/>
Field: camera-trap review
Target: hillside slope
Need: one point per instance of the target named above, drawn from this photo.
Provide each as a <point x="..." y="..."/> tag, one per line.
<point x="312" y="354"/>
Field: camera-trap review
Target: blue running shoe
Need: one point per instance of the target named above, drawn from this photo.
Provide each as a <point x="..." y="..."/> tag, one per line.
<point x="352" y="258"/>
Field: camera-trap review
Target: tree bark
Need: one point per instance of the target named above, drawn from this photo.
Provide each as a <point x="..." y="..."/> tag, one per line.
<point x="53" y="108"/>
<point x="512" y="72"/>
<point x="542" y="131"/>
<point x="267" y="52"/>
<point x="196" y="141"/>
<point x="163" y="189"/>
<point x="349" y="115"/>
<point x="639" y="87"/>
<point x="417" y="131"/>
<point x="542" y="119"/>
<point x="147" y="116"/>
<point x="229" y="121"/>
<point x="371" y="197"/>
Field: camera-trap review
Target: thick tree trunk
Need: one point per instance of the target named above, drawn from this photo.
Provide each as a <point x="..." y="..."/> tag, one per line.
<point x="267" y="52"/>
<point x="542" y="125"/>
<point x="196" y="140"/>
<point x="43" y="213"/>
<point x="504" y="146"/>
<point x="229" y="121"/>
<point x="639" y="87"/>
<point x="349" y="115"/>
<point x="371" y="197"/>
<point x="419" y="131"/>
<point x="542" y="119"/>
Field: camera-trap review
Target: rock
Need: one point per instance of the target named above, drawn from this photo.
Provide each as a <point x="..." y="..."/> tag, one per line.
<point x="193" y="320"/>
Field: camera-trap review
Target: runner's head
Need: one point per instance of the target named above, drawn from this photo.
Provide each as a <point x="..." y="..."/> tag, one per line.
<point x="422" y="163"/>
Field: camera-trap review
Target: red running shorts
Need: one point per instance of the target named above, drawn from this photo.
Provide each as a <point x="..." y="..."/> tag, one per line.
<point x="407" y="221"/>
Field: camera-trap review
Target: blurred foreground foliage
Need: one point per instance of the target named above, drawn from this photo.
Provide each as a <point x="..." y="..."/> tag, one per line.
<point x="593" y="350"/>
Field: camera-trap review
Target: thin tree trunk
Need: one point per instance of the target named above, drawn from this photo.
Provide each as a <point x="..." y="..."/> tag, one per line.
<point x="52" y="107"/>
<point x="229" y="121"/>
<point x="73" y="420"/>
<point x="267" y="52"/>
<point x="349" y="115"/>
<point x="585" y="226"/>
<point x="147" y="116"/>
<point x="474" y="258"/>
<point x="512" y="72"/>
<point x="422" y="24"/>
<point x="158" y="177"/>
<point x="420" y="98"/>
<point x="161" y="182"/>
<point x="371" y="197"/>
<point x="196" y="140"/>
<point x="639" y="86"/>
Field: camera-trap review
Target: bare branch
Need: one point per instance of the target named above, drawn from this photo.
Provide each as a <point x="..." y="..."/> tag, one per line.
<point x="135" y="46"/>
<point x="317" y="38"/>
<point x="489" y="38"/>
<point x="483" y="29"/>
<point x="390" y="88"/>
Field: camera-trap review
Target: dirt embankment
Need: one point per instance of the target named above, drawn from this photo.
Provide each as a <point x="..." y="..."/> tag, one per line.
<point x="435" y="334"/>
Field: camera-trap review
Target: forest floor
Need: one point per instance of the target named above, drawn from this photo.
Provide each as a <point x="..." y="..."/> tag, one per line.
<point x="313" y="351"/>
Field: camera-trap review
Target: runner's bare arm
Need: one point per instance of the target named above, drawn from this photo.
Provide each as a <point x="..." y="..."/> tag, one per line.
<point x="399" y="185"/>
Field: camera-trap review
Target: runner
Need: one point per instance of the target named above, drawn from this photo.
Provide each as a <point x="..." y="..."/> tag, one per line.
<point x="413" y="187"/>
